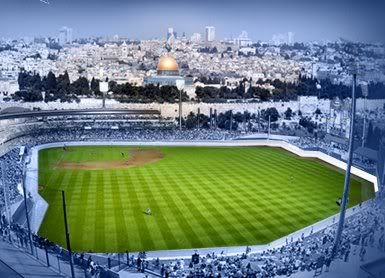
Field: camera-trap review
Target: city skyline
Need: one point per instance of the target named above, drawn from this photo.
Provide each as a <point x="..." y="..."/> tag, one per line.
<point x="149" y="19"/>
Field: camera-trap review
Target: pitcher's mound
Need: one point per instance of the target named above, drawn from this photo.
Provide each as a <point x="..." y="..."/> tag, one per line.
<point x="137" y="157"/>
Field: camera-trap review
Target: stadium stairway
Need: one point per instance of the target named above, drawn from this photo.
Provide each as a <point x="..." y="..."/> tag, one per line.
<point x="15" y="263"/>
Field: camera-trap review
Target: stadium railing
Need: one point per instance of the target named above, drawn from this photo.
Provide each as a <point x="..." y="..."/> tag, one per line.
<point x="85" y="265"/>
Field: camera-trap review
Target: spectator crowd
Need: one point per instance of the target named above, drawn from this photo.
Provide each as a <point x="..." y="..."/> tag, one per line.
<point x="363" y="230"/>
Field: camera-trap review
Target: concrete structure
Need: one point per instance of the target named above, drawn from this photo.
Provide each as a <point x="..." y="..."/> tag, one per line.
<point x="196" y="38"/>
<point x="290" y="38"/>
<point x="65" y="35"/>
<point x="210" y="34"/>
<point x="243" y="40"/>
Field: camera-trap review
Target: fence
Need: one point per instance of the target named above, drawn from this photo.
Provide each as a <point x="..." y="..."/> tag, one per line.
<point x="85" y="265"/>
<point x="50" y="254"/>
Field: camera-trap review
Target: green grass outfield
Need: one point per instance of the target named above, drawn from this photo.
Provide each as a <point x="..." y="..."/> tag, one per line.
<point x="199" y="197"/>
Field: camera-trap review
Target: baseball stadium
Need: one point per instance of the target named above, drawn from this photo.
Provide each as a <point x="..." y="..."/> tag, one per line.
<point x="156" y="190"/>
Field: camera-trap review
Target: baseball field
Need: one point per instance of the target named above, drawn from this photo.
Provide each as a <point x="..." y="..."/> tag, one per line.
<point x="197" y="196"/>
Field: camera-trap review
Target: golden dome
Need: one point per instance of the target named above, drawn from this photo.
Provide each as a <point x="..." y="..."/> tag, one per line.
<point x="167" y="65"/>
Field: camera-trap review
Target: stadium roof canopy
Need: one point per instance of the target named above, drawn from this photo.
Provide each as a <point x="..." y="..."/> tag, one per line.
<point x="76" y="112"/>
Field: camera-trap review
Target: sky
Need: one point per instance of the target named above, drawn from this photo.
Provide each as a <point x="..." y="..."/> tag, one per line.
<point x="357" y="20"/>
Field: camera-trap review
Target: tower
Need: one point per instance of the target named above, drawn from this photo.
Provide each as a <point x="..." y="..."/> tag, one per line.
<point x="65" y="35"/>
<point x="290" y="38"/>
<point x="124" y="50"/>
<point x="210" y="33"/>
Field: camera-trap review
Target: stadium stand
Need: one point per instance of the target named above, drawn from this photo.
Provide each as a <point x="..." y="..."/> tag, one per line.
<point x="364" y="230"/>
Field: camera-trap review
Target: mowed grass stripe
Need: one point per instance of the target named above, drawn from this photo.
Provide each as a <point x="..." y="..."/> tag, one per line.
<point x="184" y="228"/>
<point x="99" y="217"/>
<point x="142" y="230"/>
<point x="121" y="235"/>
<point x="78" y="229"/>
<point x="200" y="197"/>
<point x="210" y="206"/>
<point x="219" y="208"/>
<point x="197" y="206"/>
<point x="204" y="229"/>
<point x="264" y="223"/>
<point x="163" y="227"/>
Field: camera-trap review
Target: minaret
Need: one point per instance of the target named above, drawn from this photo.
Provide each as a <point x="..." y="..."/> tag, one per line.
<point x="124" y="50"/>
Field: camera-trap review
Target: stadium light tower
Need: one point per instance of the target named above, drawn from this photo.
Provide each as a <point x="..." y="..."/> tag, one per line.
<point x="103" y="85"/>
<point x="25" y="204"/>
<point x="67" y="235"/>
<point x="180" y="86"/>
<point x="198" y="115"/>
<point x="364" y="89"/>
<point x="345" y="195"/>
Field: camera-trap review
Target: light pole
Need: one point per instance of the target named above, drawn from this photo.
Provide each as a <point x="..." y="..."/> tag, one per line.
<point x="180" y="110"/>
<point x="364" y="89"/>
<point x="180" y="86"/>
<point x="26" y="207"/>
<point x="215" y="119"/>
<point x="268" y="135"/>
<point x="199" y="112"/>
<point x="259" y="120"/>
<point x="103" y="87"/>
<point x="211" y="118"/>
<point x="345" y="195"/>
<point x="67" y="235"/>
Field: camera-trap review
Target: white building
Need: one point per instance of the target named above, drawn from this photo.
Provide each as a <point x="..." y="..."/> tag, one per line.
<point x="243" y="40"/>
<point x="290" y="38"/>
<point x="196" y="38"/>
<point x="8" y="86"/>
<point x="124" y="49"/>
<point x="279" y="39"/>
<point x="65" y="35"/>
<point x="210" y="33"/>
<point x="170" y="32"/>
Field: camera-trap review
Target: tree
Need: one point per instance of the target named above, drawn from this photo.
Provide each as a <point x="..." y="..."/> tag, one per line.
<point x="81" y="87"/>
<point x="31" y="95"/>
<point x="272" y="112"/>
<point x="94" y="85"/>
<point x="50" y="81"/>
<point x="63" y="81"/>
<point x="27" y="80"/>
<point x="288" y="113"/>
<point x="224" y="120"/>
<point x="308" y="124"/>
<point x="191" y="121"/>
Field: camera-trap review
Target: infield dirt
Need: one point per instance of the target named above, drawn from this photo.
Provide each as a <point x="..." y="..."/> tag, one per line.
<point x="137" y="157"/>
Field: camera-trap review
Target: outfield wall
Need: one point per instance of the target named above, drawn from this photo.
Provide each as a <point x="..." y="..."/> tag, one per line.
<point x="31" y="183"/>
<point x="41" y="205"/>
